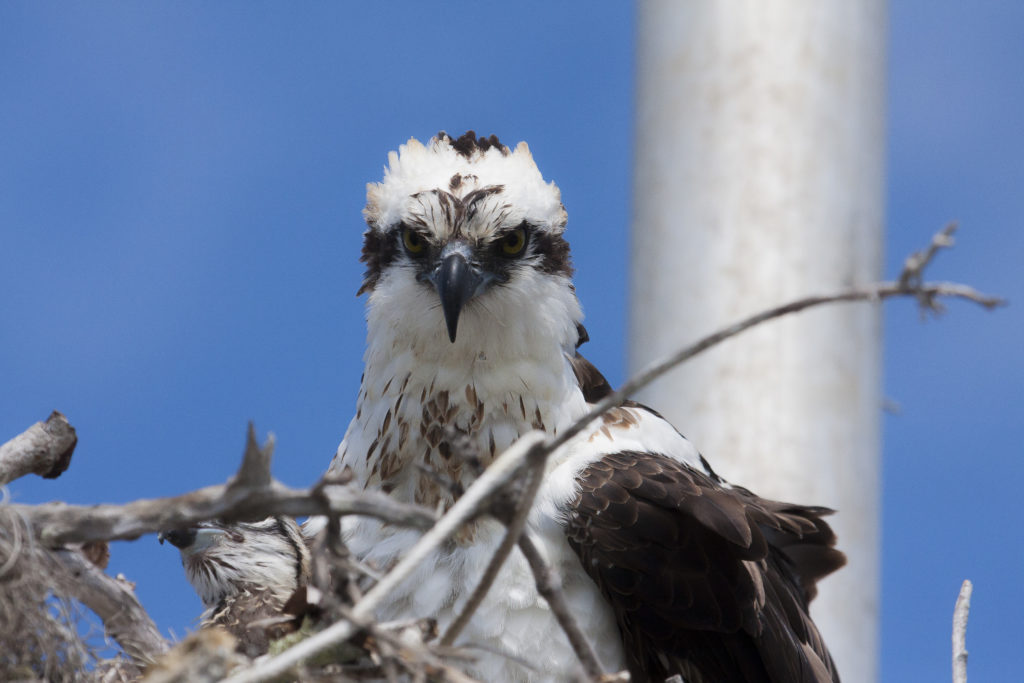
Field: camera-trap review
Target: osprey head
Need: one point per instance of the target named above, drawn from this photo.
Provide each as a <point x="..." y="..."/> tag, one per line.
<point x="222" y="560"/>
<point x="463" y="227"/>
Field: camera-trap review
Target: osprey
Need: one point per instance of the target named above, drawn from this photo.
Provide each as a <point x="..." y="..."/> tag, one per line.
<point x="243" y="572"/>
<point x="473" y="330"/>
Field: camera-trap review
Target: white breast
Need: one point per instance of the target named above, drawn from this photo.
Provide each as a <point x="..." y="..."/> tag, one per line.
<point x="514" y="619"/>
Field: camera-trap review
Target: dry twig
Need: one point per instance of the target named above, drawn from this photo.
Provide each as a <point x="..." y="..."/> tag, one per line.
<point x="960" y="612"/>
<point x="410" y="647"/>
<point x="549" y="587"/>
<point x="515" y="525"/>
<point x="113" y="601"/>
<point x="251" y="495"/>
<point x="909" y="284"/>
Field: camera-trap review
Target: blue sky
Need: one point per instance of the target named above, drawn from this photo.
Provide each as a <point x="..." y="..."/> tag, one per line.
<point x="180" y="195"/>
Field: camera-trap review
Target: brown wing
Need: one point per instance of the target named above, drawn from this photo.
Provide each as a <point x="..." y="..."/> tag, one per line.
<point x="708" y="582"/>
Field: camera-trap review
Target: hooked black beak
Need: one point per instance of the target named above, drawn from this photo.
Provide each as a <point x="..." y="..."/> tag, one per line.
<point x="456" y="283"/>
<point x="179" y="538"/>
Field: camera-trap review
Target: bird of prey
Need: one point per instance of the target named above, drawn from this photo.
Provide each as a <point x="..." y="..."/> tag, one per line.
<point x="243" y="572"/>
<point x="473" y="330"/>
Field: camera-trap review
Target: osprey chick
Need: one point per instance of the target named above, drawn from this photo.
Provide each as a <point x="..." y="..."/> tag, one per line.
<point x="473" y="328"/>
<point x="243" y="572"/>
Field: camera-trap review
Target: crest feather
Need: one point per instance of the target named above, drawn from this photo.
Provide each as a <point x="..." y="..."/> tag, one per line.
<point x="460" y="166"/>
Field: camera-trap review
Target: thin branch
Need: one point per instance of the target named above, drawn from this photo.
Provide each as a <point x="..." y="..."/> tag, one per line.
<point x="514" y="530"/>
<point x="927" y="293"/>
<point x="502" y="471"/>
<point x="416" y="650"/>
<point x="244" y="498"/>
<point x="113" y="601"/>
<point x="960" y="612"/>
<point x="550" y="588"/>
<point x="914" y="265"/>
<point x="254" y="473"/>
<point x="45" y="449"/>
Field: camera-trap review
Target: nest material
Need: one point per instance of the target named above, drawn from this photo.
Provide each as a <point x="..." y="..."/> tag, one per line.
<point x="44" y="633"/>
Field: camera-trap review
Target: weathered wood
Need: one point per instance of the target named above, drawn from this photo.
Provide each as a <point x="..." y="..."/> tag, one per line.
<point x="113" y="601"/>
<point x="45" y="449"/>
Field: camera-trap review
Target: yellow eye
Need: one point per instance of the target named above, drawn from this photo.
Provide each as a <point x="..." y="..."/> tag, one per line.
<point x="414" y="243"/>
<point x="513" y="243"/>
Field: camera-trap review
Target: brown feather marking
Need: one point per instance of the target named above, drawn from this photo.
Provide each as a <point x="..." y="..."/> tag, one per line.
<point x="379" y="251"/>
<point x="538" y="420"/>
<point x="427" y="492"/>
<point x="403" y="433"/>
<point x="619" y="418"/>
<point x="389" y="465"/>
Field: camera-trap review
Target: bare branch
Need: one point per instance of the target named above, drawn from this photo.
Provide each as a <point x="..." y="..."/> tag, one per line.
<point x="245" y="498"/>
<point x="113" y="601"/>
<point x="45" y="449"/>
<point x="515" y="528"/>
<point x="926" y="293"/>
<point x="960" y="612"/>
<point x="550" y="588"/>
<point x="914" y="265"/>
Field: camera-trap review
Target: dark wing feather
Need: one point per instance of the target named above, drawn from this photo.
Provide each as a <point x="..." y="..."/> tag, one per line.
<point x="705" y="581"/>
<point x="591" y="381"/>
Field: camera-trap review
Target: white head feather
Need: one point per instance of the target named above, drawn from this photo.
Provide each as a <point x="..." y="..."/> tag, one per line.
<point x="416" y="168"/>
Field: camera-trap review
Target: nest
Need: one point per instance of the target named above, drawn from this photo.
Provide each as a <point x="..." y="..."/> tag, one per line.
<point x="44" y="633"/>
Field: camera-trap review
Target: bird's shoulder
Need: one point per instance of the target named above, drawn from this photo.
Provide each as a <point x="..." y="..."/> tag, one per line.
<point x="706" y="579"/>
<point x="631" y="426"/>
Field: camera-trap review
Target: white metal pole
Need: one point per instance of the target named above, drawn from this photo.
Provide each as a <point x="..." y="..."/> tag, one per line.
<point x="759" y="179"/>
